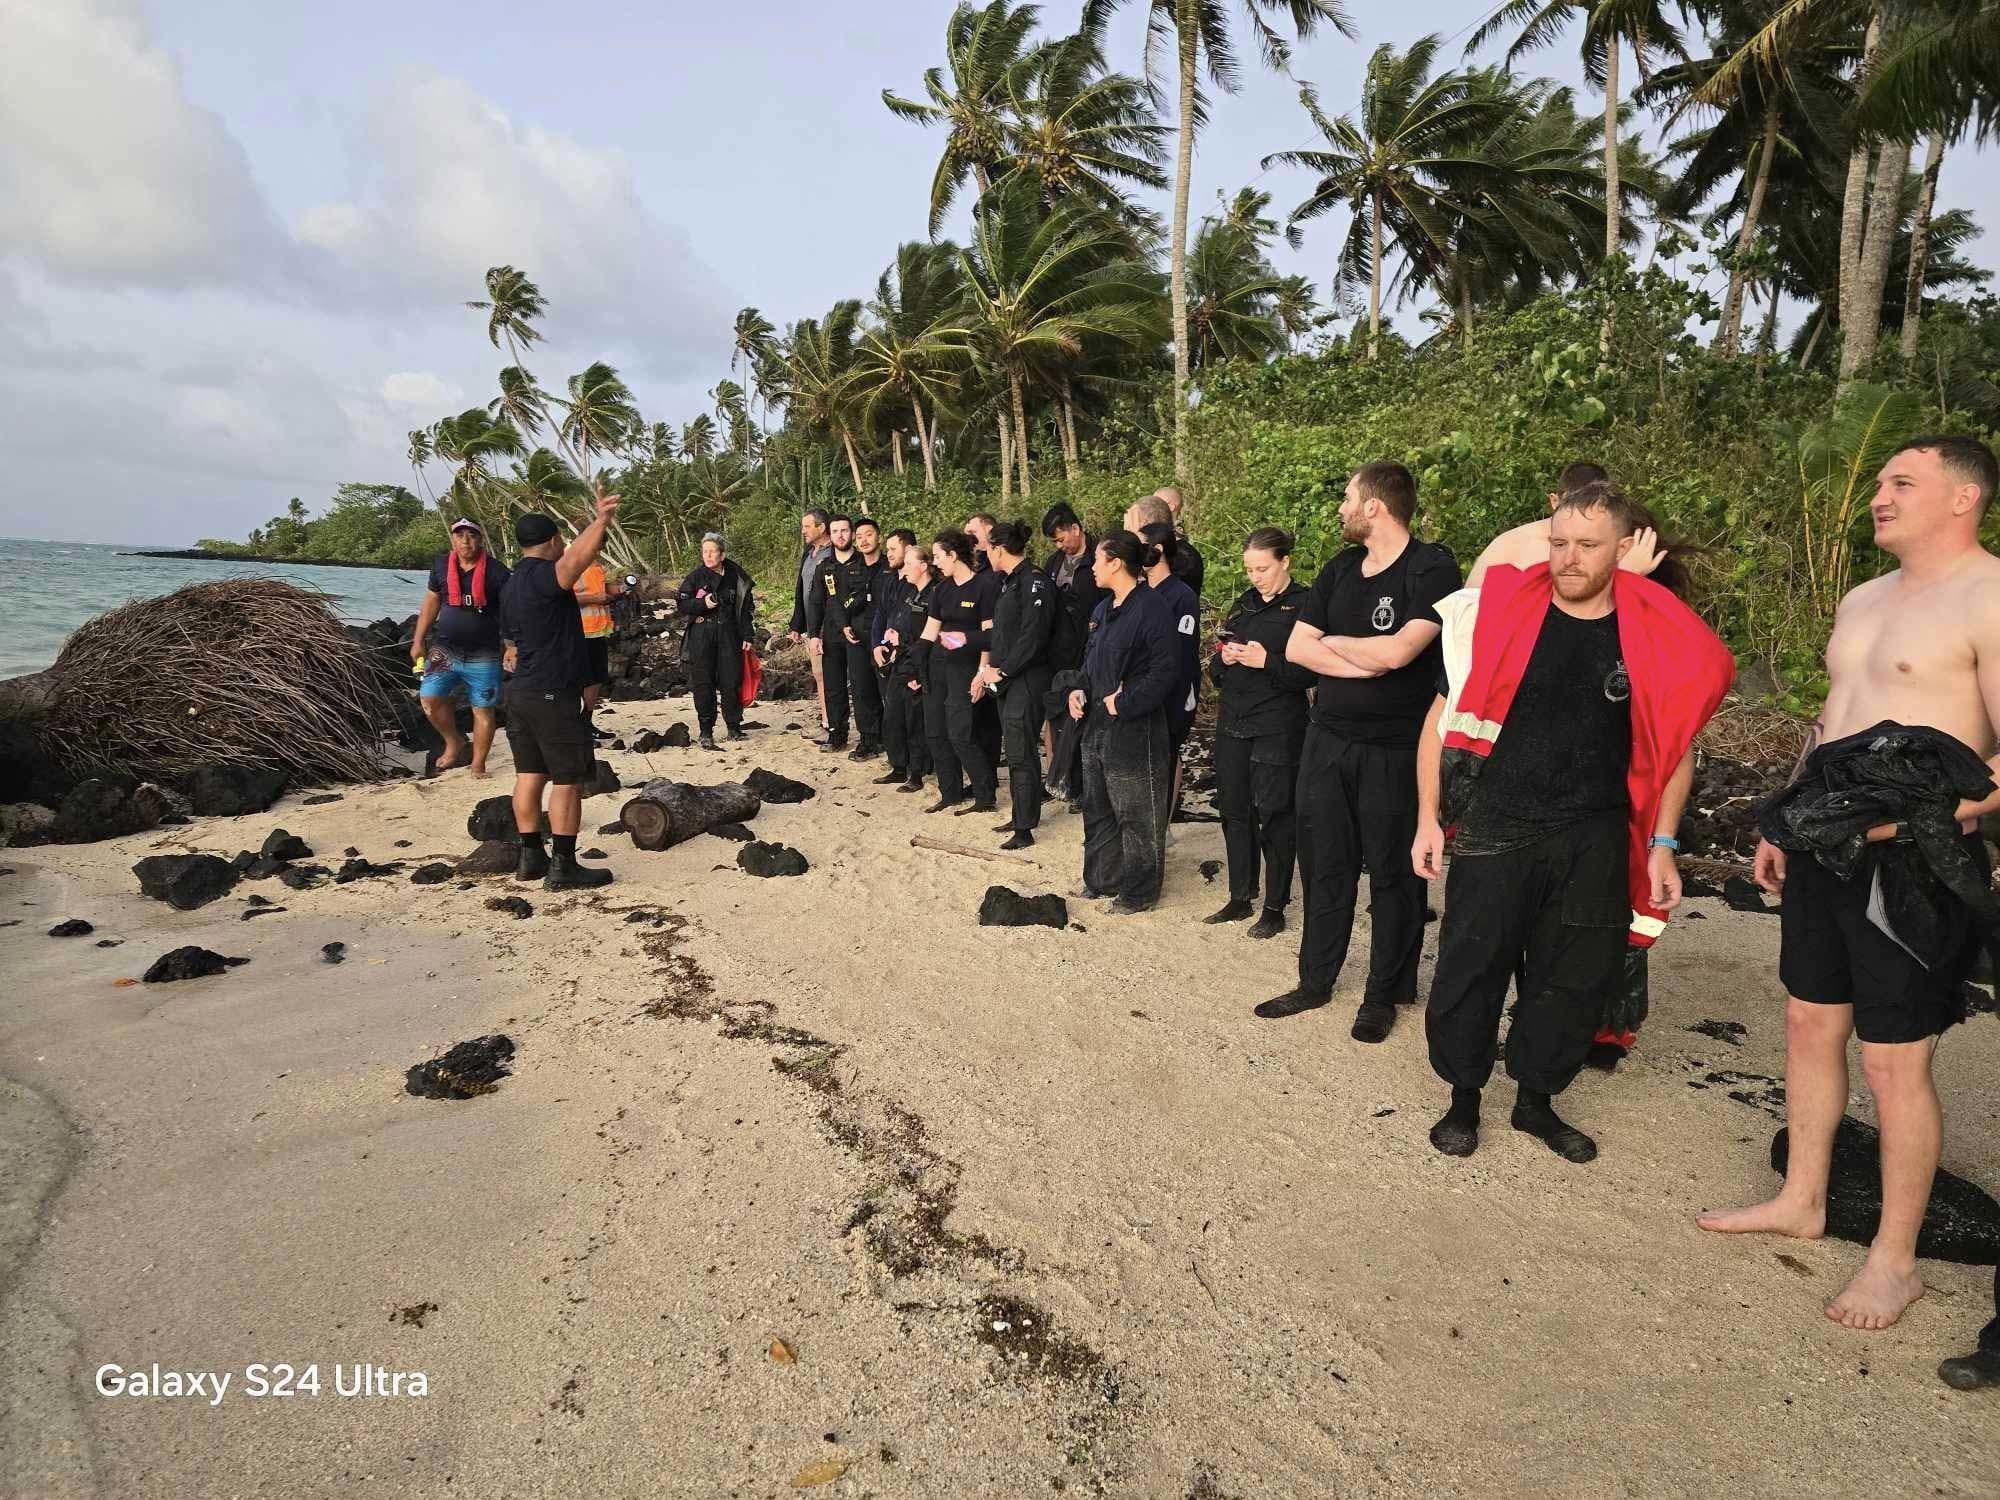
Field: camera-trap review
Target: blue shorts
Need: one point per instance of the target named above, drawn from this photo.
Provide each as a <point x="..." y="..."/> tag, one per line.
<point x="480" y="677"/>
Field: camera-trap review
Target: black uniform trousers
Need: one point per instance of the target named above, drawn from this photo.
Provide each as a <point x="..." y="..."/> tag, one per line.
<point x="1255" y="783"/>
<point x="1128" y="790"/>
<point x="903" y="727"/>
<point x="714" y="660"/>
<point x="968" y="725"/>
<point x="1989" y="1336"/>
<point x="1557" y="912"/>
<point x="864" y="687"/>
<point x="1357" y="809"/>
<point x="833" y="670"/>
<point x="937" y="731"/>
<point x="1021" y="722"/>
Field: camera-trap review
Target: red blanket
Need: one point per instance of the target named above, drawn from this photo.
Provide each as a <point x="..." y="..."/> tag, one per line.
<point x="1679" y="672"/>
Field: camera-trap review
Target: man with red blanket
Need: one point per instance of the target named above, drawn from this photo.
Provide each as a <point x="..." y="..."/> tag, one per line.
<point x="1565" y="764"/>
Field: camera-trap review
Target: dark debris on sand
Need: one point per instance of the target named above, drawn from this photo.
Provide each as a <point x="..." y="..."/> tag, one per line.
<point x="767" y="860"/>
<point x="435" y="873"/>
<point x="771" y="787"/>
<point x="74" y="927"/>
<point x="1961" y="1224"/>
<point x="190" y="962"/>
<point x="465" y="1072"/>
<point x="185" y="881"/>
<point x="514" y="906"/>
<point x="1003" y="906"/>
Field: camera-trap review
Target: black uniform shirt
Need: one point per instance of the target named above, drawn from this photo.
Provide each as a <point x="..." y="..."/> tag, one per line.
<point x="1023" y="617"/>
<point x="1271" y="699"/>
<point x="1390" y="709"/>
<point x="962" y="609"/>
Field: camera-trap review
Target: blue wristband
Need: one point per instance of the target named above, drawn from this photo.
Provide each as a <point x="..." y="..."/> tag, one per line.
<point x="1661" y="841"/>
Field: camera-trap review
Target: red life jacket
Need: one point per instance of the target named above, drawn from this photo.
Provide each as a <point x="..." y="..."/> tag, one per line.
<point x="455" y="591"/>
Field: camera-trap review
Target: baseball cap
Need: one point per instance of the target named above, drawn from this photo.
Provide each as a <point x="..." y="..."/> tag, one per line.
<point x="533" y="529"/>
<point x="464" y="523"/>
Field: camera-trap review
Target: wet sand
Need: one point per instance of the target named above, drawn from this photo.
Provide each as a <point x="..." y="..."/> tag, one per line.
<point x="1038" y="1212"/>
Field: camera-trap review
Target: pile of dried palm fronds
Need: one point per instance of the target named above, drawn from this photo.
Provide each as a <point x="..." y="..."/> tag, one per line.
<point x="250" y="671"/>
<point x="1755" y="734"/>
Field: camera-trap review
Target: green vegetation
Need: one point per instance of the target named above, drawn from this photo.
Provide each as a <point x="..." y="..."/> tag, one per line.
<point x="365" y="523"/>
<point x="1580" y="298"/>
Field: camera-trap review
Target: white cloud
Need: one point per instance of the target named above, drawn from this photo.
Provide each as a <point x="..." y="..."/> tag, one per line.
<point x="109" y="174"/>
<point x="453" y="185"/>
<point x="420" y="388"/>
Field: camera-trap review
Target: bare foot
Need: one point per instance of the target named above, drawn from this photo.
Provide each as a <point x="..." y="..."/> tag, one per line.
<point x="480" y="773"/>
<point x="453" y="756"/>
<point x="1875" y="1298"/>
<point x="1799" y="1222"/>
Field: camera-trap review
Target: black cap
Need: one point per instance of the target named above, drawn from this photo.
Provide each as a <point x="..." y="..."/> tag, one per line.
<point x="532" y="530"/>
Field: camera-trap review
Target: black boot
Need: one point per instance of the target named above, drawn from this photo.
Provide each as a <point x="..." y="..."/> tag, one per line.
<point x="1021" y="839"/>
<point x="1457" y="1134"/>
<point x="736" y="732"/>
<point x="1269" y="925"/>
<point x="707" y="740"/>
<point x="868" y="749"/>
<point x="1535" y="1115"/>
<point x="534" y="861"/>
<point x="1373" y="1021"/>
<point x="1235" y="911"/>
<point x="565" y="874"/>
<point x="1971" y="1372"/>
<point x="890" y="777"/>
<point x="1292" y="1003"/>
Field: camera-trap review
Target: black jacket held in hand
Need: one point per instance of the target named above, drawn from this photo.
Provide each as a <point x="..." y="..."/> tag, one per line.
<point x="1133" y="652"/>
<point x="729" y="588"/>
<point x="911" y="654"/>
<point x="1892" y="773"/>
<point x="1023" y="618"/>
<point x="1270" y="699"/>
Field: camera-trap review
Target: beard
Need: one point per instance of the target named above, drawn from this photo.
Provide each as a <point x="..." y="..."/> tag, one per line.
<point x="1355" y="532"/>
<point x="1575" y="586"/>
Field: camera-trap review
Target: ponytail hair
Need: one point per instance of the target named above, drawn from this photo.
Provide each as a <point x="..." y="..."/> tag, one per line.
<point x="1272" y="539"/>
<point x="1126" y="550"/>
<point x="1162" y="546"/>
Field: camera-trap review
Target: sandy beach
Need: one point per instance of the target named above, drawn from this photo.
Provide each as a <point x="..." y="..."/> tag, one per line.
<point x="1031" y="1212"/>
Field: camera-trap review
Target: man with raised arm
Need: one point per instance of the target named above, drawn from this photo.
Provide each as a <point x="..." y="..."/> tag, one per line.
<point x="547" y="726"/>
<point x="1913" y="670"/>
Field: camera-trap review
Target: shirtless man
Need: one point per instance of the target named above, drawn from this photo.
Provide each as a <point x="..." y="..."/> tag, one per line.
<point x="1528" y="544"/>
<point x="1920" y="646"/>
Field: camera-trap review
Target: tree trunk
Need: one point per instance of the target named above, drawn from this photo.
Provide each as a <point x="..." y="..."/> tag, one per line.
<point x="1767" y="340"/>
<point x="1612" y="206"/>
<point x="1068" y="416"/>
<point x="1920" y="246"/>
<point x="1375" y="274"/>
<point x="854" y="467"/>
<point x="665" y="813"/>
<point x="1188" y="33"/>
<point x="1854" y="197"/>
<point x="1006" y="457"/>
<point x="1020" y="429"/>
<point x="1812" y="343"/>
<point x="924" y="442"/>
<point x="896" y="450"/>
<point x="1739" y="270"/>
<point x="1465" y="313"/>
<point x="1885" y="216"/>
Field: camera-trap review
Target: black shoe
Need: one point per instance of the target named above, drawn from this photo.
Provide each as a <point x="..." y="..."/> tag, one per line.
<point x="867" y="750"/>
<point x="707" y="742"/>
<point x="979" y="805"/>
<point x="1373" y="1021"/>
<point x="533" y="863"/>
<point x="832" y="745"/>
<point x="1457" y="1134"/>
<point x="1292" y="1003"/>
<point x="1235" y="911"/>
<point x="1007" y="827"/>
<point x="889" y="777"/>
<point x="1269" y="925"/>
<point x="1971" y="1372"/>
<point x="568" y="875"/>
<point x="1021" y="840"/>
<point x="736" y="733"/>
<point x="1123" y="908"/>
<point x="1532" y="1117"/>
<point x="912" y="786"/>
<point x="942" y="803"/>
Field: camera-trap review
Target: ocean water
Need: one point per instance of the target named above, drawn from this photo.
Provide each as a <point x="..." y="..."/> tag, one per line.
<point x="56" y="586"/>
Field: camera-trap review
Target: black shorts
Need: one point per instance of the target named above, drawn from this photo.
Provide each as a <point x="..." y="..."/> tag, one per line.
<point x="550" y="736"/>
<point x="599" y="647"/>
<point x="1829" y="953"/>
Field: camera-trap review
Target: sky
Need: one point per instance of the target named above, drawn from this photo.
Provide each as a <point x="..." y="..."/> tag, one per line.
<point x="236" y="236"/>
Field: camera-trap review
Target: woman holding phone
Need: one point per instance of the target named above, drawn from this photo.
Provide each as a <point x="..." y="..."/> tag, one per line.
<point x="715" y="600"/>
<point x="1131" y="669"/>
<point x="1260" y="729"/>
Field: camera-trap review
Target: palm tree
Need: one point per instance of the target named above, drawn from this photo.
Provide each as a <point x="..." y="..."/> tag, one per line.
<point x="816" y="361"/>
<point x="546" y="483"/>
<point x="986" y="50"/>
<point x="698" y="438"/>
<point x="473" y="440"/>
<point x="1400" y="167"/>
<point x="1084" y="132"/>
<point x="1232" y="297"/>
<point x="1793" y="102"/>
<point x="752" y="343"/>
<point x="600" y="415"/>
<point x="421" y="452"/>
<point x="1293" y="308"/>
<point x="1039" y="285"/>
<point x="1609" y="26"/>
<point x="513" y="303"/>
<point x="902" y="361"/>
<point x="1198" y="28"/>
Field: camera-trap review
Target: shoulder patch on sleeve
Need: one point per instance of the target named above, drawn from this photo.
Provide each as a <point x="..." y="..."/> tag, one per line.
<point x="1187" y="625"/>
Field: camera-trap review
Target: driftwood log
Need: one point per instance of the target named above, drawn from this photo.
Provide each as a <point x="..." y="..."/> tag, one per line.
<point x="665" y="813"/>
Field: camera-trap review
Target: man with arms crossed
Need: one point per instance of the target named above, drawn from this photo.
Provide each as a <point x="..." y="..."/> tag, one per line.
<point x="1919" y="646"/>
